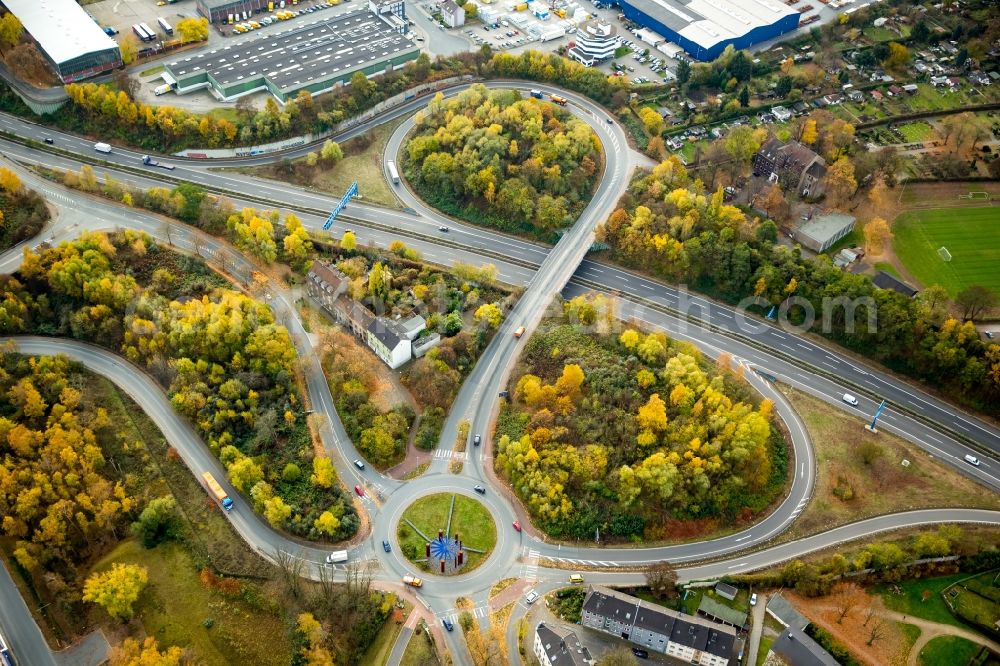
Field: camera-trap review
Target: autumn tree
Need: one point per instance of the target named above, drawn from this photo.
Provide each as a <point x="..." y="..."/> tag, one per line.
<point x="129" y="46"/>
<point x="661" y="578"/>
<point x="254" y="234"/>
<point x="651" y="120"/>
<point x="116" y="590"/>
<point x="331" y="152"/>
<point x="132" y="653"/>
<point x="348" y="241"/>
<point x="877" y="236"/>
<point x="10" y="30"/>
<point x="840" y="182"/>
<point x="192" y="29"/>
<point x="620" y="656"/>
<point x="775" y="204"/>
<point x="898" y="56"/>
<point x="9" y="182"/>
<point x="489" y="314"/>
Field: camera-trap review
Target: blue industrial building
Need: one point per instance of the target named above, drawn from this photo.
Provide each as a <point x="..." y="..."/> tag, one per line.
<point x="704" y="28"/>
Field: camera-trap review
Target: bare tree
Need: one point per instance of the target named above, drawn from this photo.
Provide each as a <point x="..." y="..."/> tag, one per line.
<point x="662" y="580"/>
<point x="876" y="631"/>
<point x="166" y="229"/>
<point x="291" y="572"/>
<point x="845" y="596"/>
<point x="869" y="614"/>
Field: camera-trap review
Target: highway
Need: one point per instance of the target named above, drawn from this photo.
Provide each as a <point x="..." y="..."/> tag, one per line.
<point x="794" y="359"/>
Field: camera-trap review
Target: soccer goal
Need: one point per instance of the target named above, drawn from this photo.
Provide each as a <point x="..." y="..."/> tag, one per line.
<point x="944" y="253"/>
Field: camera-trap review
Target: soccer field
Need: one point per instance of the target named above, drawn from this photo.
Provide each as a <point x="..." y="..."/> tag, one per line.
<point x="972" y="236"/>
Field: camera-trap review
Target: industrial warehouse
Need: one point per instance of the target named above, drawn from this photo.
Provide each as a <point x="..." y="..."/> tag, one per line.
<point x="74" y="46"/>
<point x="315" y="57"/>
<point x="704" y="28"/>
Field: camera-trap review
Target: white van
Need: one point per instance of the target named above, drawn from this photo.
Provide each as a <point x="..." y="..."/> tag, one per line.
<point x="102" y="147"/>
<point x="972" y="460"/>
<point x="336" y="556"/>
<point x="850" y="399"/>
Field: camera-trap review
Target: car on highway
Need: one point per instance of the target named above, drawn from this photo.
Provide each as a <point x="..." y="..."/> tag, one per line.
<point x="359" y="464"/>
<point x="48" y="140"/>
<point x="447" y="624"/>
<point x="519" y="332"/>
<point x="531" y="597"/>
<point x="359" y="490"/>
<point x="972" y="460"/>
<point x="480" y="490"/>
<point x="517" y="525"/>
<point x="990" y="334"/>
<point x="610" y="122"/>
<point x="477" y="440"/>
<point x="753" y="599"/>
<point x="386" y="546"/>
<point x="850" y="399"/>
<point x="444" y="228"/>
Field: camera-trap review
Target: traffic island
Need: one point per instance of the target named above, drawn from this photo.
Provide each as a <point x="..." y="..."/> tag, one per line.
<point x="446" y="534"/>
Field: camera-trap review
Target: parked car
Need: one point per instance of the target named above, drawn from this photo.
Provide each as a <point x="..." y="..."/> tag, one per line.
<point x="753" y="599"/>
<point x="639" y="652"/>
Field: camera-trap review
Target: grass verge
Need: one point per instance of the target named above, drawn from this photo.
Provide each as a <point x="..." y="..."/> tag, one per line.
<point x="380" y="649"/>
<point x="763" y="649"/>
<point x="921" y="598"/>
<point x="419" y="651"/>
<point x="470" y="520"/>
<point x="861" y="475"/>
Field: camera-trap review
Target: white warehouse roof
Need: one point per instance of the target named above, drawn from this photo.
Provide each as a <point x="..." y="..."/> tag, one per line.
<point x="61" y="27"/>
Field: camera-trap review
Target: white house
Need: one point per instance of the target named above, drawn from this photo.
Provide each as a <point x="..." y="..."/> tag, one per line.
<point x="555" y="646"/>
<point x="452" y="13"/>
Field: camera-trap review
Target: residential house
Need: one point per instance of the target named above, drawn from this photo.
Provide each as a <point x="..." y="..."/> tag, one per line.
<point x="388" y="338"/>
<point x="856" y="95"/>
<point x="726" y="591"/>
<point x="911" y="88"/>
<point x="781" y="113"/>
<point x="939" y="81"/>
<point x="692" y="639"/>
<point x="791" y="164"/>
<point x="877" y="96"/>
<point x="556" y="646"/>
<point x="895" y="91"/>
<point x="452" y="14"/>
<point x="979" y="78"/>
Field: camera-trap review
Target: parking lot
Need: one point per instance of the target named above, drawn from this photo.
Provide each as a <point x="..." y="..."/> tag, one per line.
<point x="123" y="15"/>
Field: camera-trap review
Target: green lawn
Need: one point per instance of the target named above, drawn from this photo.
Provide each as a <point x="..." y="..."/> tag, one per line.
<point x="911" y="602"/>
<point x="918" y="131"/>
<point x="972" y="236"/>
<point x="175" y="607"/>
<point x="151" y="71"/>
<point x="888" y="268"/>
<point x="471" y="521"/>
<point x="947" y="651"/>
<point x="853" y="239"/>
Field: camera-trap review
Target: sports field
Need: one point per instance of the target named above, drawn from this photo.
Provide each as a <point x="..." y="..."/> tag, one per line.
<point x="971" y="235"/>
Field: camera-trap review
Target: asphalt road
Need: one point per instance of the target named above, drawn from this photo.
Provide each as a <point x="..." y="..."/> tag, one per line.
<point x="546" y="273"/>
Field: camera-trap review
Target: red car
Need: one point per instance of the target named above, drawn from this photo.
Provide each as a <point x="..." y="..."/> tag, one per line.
<point x="359" y="491"/>
<point x="517" y="525"/>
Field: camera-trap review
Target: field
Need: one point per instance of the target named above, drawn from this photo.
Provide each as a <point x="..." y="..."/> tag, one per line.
<point x="917" y="132"/>
<point x="470" y="520"/>
<point x="972" y="236"/>
<point x="848" y="488"/>
<point x="947" y="651"/>
<point x="178" y="609"/>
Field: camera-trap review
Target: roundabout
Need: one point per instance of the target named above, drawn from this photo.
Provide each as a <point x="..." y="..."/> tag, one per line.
<point x="446" y="533"/>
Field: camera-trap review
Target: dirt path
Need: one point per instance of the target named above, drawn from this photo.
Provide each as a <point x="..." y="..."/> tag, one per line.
<point x="928" y="631"/>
